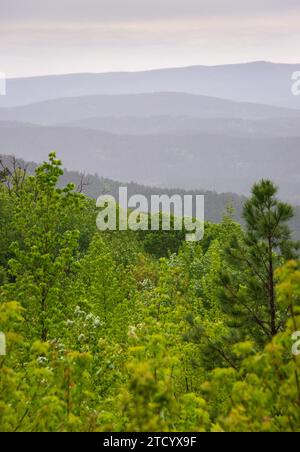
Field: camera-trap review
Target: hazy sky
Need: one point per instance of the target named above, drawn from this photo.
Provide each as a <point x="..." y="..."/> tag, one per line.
<point x="63" y="36"/>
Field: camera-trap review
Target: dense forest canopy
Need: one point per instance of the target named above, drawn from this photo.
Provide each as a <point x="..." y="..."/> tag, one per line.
<point x="125" y="331"/>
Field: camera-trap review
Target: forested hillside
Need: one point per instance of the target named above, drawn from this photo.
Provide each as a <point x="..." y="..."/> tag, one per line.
<point x="142" y="331"/>
<point x="93" y="186"/>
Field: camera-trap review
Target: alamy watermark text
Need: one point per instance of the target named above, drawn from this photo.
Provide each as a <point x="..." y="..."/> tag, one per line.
<point x="164" y="213"/>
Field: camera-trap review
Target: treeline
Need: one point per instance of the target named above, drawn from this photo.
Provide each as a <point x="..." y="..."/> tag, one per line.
<point x="105" y="332"/>
<point x="93" y="186"/>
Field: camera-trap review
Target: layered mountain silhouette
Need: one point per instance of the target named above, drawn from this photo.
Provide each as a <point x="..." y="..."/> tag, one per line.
<point x="211" y="162"/>
<point x="146" y="105"/>
<point x="211" y="128"/>
<point x="257" y="82"/>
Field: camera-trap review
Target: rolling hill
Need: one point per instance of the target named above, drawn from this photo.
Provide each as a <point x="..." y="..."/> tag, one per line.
<point x="257" y="82"/>
<point x="195" y="161"/>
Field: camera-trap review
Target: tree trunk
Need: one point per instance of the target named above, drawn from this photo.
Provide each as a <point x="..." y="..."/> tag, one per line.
<point x="272" y="292"/>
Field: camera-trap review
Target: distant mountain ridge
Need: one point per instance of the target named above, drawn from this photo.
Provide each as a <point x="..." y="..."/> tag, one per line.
<point x="256" y="82"/>
<point x="141" y="105"/>
<point x="221" y="128"/>
<point x="180" y="125"/>
<point x="214" y="162"/>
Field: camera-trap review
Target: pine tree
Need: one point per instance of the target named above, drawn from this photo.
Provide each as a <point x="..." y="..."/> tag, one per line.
<point x="248" y="294"/>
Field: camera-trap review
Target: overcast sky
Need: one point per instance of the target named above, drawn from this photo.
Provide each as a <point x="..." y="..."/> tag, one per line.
<point x="63" y="36"/>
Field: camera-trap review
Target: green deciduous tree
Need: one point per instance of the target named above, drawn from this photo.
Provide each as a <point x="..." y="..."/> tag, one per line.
<point x="44" y="254"/>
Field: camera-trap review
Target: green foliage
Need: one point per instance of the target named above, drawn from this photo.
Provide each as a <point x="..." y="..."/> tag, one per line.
<point x="248" y="296"/>
<point x="110" y="331"/>
<point x="162" y="243"/>
<point x="264" y="394"/>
